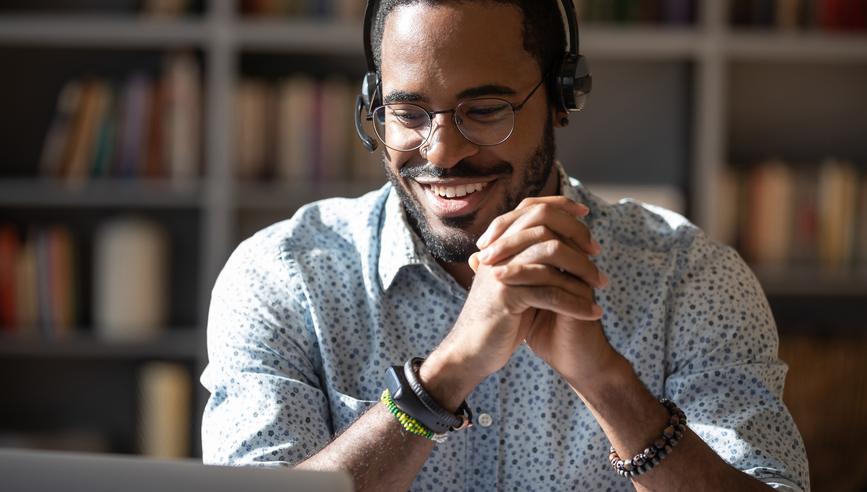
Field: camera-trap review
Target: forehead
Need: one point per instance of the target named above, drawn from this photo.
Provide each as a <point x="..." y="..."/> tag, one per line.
<point x="452" y="47"/>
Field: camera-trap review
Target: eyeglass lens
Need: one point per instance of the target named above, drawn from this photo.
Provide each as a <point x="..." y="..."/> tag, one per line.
<point x="405" y="127"/>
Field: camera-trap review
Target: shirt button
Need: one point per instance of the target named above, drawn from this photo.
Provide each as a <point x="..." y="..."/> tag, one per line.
<point x="485" y="420"/>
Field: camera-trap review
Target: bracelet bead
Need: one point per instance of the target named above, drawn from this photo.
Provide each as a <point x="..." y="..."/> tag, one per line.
<point x="409" y="423"/>
<point x="660" y="448"/>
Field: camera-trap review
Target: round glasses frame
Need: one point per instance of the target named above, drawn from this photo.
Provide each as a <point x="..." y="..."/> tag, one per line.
<point x="453" y="112"/>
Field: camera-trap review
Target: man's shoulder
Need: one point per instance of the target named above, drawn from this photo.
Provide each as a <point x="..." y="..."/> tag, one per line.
<point x="638" y="225"/>
<point x="319" y="224"/>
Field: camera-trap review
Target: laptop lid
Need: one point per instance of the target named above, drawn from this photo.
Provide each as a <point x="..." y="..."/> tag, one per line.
<point x="37" y="471"/>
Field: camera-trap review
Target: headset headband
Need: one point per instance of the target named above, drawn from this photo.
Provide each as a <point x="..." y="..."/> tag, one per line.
<point x="566" y="6"/>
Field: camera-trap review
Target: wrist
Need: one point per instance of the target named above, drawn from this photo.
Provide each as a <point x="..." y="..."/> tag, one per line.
<point x="614" y="371"/>
<point x="446" y="380"/>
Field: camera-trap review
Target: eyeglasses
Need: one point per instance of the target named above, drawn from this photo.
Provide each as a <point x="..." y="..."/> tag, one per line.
<point x="404" y="127"/>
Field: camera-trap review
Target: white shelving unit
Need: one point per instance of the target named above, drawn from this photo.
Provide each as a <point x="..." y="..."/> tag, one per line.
<point x="223" y="36"/>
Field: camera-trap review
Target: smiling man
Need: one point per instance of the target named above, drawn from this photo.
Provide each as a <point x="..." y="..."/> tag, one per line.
<point x="591" y="346"/>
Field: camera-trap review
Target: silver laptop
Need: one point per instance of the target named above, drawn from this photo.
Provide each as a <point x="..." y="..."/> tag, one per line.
<point x="37" y="471"/>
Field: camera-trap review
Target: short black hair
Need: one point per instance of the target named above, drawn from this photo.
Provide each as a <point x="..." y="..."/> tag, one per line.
<point x="543" y="30"/>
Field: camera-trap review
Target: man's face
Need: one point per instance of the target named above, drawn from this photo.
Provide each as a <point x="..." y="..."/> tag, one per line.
<point x="438" y="57"/>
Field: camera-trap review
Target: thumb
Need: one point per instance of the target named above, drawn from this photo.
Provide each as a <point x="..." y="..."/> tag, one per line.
<point x="474" y="261"/>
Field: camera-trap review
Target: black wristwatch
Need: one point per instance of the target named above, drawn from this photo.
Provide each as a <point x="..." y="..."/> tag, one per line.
<point x="413" y="400"/>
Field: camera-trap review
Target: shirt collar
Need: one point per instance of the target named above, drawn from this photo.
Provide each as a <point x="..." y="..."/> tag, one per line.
<point x="400" y="246"/>
<point x="397" y="247"/>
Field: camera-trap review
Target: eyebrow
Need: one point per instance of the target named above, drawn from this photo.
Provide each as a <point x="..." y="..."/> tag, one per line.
<point x="472" y="93"/>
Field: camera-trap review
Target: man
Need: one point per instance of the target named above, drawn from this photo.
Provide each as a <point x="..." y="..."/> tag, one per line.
<point x="562" y="335"/>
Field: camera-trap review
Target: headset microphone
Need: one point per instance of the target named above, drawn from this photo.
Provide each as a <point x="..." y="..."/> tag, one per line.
<point x="569" y="85"/>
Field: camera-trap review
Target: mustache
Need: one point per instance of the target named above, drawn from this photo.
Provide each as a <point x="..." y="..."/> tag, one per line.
<point x="462" y="169"/>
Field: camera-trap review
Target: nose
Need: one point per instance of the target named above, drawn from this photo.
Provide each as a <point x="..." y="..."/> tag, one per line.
<point x="446" y="145"/>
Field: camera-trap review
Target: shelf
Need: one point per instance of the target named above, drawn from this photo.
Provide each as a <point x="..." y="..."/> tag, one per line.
<point x="24" y="192"/>
<point x="177" y="343"/>
<point x="811" y="282"/>
<point x="286" y="196"/>
<point x="343" y="37"/>
<point x="100" y="31"/>
<point x="308" y="36"/>
<point x="773" y="45"/>
<point x="640" y="42"/>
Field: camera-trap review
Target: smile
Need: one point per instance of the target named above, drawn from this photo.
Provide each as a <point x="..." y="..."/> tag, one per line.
<point x="456" y="191"/>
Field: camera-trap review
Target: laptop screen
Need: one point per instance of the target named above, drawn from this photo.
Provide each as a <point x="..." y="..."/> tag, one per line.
<point x="35" y="471"/>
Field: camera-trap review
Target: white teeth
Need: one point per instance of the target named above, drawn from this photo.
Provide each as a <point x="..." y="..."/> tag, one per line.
<point x="456" y="191"/>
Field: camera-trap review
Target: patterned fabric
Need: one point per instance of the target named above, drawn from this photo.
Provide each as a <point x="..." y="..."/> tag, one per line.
<point x="308" y="313"/>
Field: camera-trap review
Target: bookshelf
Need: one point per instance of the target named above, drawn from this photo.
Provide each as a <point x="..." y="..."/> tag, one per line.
<point x="668" y="88"/>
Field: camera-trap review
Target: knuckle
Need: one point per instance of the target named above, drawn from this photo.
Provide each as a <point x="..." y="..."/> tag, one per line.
<point x="498" y="222"/>
<point x="553" y="295"/>
<point x="552" y="246"/>
<point x="541" y="233"/>
<point x="540" y="209"/>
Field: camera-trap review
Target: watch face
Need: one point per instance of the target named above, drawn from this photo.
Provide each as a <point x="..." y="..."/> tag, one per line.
<point x="393" y="383"/>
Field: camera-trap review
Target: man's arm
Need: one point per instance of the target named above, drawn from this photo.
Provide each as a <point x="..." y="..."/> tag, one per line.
<point x="377" y="451"/>
<point x="628" y="413"/>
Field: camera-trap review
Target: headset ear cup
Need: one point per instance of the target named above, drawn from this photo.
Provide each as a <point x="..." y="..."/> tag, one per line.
<point x="572" y="83"/>
<point x="557" y="81"/>
<point x="582" y="83"/>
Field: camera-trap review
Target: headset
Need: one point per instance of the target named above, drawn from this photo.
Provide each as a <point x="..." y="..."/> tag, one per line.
<point x="569" y="84"/>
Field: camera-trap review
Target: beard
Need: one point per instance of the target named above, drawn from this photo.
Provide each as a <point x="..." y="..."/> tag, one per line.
<point x="457" y="244"/>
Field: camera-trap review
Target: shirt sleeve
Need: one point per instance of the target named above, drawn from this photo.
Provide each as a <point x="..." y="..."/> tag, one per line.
<point x="725" y="373"/>
<point x="267" y="406"/>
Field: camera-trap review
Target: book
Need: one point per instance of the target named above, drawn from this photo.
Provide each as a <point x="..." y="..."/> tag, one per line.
<point x="27" y="287"/>
<point x="181" y="116"/>
<point x="861" y="259"/>
<point x="334" y="126"/>
<point x="728" y="206"/>
<point x="164" y="410"/>
<point x="43" y="282"/>
<point x="9" y="246"/>
<point x="152" y="151"/>
<point x="769" y="200"/>
<point x="61" y="280"/>
<point x="837" y="195"/>
<point x="295" y="107"/>
<point x="130" y="279"/>
<point x="54" y="144"/>
<point x="77" y="155"/>
<point x="105" y="143"/>
<point x="252" y="144"/>
<point x="134" y="123"/>
<point x="804" y="216"/>
<point x="787" y="14"/>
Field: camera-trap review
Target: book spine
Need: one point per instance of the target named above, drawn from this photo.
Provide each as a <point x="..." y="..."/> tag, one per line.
<point x="9" y="251"/>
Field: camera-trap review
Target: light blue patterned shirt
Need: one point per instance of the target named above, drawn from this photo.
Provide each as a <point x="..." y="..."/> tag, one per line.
<point x="308" y="313"/>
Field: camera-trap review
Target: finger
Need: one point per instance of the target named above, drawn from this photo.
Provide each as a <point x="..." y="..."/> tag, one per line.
<point x="564" y="226"/>
<point x="513" y="244"/>
<point x="474" y="261"/>
<point x="538" y="275"/>
<point x="541" y="214"/>
<point x="554" y="253"/>
<point x="571" y="207"/>
<point x="558" y="300"/>
<point x="561" y="204"/>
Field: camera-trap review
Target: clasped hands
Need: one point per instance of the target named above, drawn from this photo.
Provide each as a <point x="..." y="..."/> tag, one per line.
<point x="534" y="282"/>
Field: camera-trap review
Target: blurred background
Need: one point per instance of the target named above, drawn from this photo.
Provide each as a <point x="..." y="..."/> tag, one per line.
<point x="142" y="140"/>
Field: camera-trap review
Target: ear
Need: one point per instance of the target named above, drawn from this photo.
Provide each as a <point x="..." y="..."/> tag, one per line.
<point x="558" y="117"/>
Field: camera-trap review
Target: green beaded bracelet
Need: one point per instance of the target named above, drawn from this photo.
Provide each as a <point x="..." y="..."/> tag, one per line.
<point x="409" y="423"/>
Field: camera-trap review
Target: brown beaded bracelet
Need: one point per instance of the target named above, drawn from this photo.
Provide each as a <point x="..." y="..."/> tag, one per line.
<point x="656" y="452"/>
